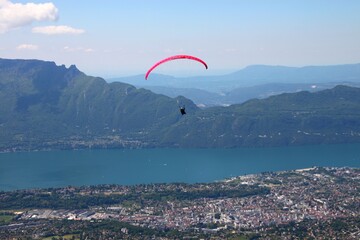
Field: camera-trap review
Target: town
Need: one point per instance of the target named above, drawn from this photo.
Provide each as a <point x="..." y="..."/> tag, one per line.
<point x="257" y="204"/>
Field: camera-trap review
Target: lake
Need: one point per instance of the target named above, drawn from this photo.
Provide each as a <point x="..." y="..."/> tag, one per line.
<point x="136" y="166"/>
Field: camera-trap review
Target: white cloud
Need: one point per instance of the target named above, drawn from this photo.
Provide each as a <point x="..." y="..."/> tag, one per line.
<point x="27" y="47"/>
<point x="89" y="50"/>
<point x="79" y="49"/>
<point x="53" y="30"/>
<point x="14" y="15"/>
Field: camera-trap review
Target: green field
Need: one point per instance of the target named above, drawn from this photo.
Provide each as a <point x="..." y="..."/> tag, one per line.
<point x="67" y="237"/>
<point x="5" y="218"/>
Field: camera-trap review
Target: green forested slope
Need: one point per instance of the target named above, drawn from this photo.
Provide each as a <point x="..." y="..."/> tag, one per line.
<point x="44" y="106"/>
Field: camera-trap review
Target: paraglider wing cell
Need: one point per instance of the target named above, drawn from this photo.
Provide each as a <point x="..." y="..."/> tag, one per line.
<point x="174" y="58"/>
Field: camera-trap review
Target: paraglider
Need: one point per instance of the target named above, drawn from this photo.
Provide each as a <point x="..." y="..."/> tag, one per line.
<point x="174" y="58"/>
<point x="182" y="109"/>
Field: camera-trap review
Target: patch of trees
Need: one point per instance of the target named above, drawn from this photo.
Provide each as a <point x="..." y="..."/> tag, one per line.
<point x="54" y="200"/>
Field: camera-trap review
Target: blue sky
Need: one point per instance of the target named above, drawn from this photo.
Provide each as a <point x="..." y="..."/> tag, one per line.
<point x="124" y="37"/>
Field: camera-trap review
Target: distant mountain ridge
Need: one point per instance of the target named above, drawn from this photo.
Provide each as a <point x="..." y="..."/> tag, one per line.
<point x="44" y="106"/>
<point x="242" y="94"/>
<point x="256" y="81"/>
<point x="307" y="74"/>
<point x="252" y="76"/>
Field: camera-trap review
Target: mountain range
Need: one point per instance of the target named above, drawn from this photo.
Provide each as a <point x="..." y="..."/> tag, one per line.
<point x="257" y="81"/>
<point x="45" y="106"/>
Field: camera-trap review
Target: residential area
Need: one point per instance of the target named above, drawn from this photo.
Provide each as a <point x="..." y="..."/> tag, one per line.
<point x="277" y="200"/>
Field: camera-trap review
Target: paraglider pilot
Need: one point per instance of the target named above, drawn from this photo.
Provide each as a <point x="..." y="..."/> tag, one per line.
<point x="182" y="110"/>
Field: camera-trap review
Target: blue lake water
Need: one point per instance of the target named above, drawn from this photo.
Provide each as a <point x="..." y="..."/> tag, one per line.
<point x="90" y="167"/>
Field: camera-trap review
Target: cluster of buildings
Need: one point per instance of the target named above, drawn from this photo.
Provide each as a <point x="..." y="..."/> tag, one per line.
<point x="315" y="193"/>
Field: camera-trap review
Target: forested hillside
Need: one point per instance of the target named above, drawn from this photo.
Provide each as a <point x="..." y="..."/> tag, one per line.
<point x="44" y="106"/>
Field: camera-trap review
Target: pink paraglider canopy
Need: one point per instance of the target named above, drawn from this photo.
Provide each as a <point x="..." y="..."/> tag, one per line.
<point x="174" y="58"/>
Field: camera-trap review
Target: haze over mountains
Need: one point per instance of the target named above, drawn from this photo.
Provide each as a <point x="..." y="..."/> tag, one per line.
<point x="44" y="106"/>
<point x="257" y="81"/>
